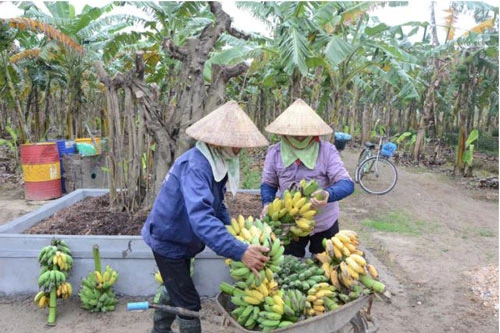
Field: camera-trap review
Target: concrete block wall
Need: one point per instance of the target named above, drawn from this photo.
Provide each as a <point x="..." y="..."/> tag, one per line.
<point x="128" y="255"/>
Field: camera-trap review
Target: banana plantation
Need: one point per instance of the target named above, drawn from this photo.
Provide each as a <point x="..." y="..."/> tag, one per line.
<point x="141" y="78"/>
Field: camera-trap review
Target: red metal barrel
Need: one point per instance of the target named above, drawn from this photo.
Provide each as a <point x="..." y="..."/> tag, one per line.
<point x="41" y="171"/>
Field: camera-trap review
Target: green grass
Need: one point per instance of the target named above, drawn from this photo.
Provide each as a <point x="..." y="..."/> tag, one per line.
<point x="485" y="233"/>
<point x="396" y="222"/>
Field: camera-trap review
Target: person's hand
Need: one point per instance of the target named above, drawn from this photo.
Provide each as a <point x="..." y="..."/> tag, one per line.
<point x="264" y="211"/>
<point x="319" y="198"/>
<point x="254" y="258"/>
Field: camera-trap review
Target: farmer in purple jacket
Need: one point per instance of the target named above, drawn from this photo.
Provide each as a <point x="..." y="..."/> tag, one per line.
<point x="189" y="211"/>
<point x="302" y="155"/>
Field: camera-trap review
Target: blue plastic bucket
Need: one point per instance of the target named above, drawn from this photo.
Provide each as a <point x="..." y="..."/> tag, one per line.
<point x="64" y="148"/>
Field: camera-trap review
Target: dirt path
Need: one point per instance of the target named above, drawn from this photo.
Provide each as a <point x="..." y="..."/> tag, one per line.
<point x="429" y="273"/>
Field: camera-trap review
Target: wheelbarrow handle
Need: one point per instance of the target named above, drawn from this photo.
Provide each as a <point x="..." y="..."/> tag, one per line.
<point x="138" y="306"/>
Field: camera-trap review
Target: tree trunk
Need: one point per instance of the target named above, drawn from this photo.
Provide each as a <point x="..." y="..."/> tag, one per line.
<point x="365" y="127"/>
<point x="191" y="92"/>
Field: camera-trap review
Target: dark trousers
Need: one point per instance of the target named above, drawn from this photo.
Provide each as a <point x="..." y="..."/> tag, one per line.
<point x="176" y="276"/>
<point x="298" y="249"/>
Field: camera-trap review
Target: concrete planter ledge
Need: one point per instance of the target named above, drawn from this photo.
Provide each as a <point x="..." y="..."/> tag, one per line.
<point x="128" y="255"/>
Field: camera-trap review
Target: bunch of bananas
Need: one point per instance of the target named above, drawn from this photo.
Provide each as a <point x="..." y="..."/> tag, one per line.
<point x="42" y="299"/>
<point x="295" y="301"/>
<point x="255" y="308"/>
<point x="56" y="262"/>
<point x="342" y="262"/>
<point x="50" y="278"/>
<point x="63" y="260"/>
<point x="97" y="300"/>
<point x="296" y="274"/>
<point x="255" y="232"/>
<point x="64" y="290"/>
<point x="293" y="216"/>
<point x="96" y="293"/>
<point x="107" y="279"/>
<point x="58" y="248"/>
<point x="320" y="299"/>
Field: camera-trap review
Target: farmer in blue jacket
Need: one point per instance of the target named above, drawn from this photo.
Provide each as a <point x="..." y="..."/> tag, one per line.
<point x="189" y="211"/>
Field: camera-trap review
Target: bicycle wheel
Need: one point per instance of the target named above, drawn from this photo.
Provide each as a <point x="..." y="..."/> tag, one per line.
<point x="365" y="154"/>
<point x="377" y="175"/>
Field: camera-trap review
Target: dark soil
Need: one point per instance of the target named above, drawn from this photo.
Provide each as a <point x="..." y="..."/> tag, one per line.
<point x="93" y="216"/>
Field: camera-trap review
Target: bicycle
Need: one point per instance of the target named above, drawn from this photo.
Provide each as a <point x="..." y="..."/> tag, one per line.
<point x="375" y="173"/>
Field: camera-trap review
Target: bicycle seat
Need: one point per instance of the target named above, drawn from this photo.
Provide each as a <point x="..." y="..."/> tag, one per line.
<point x="369" y="145"/>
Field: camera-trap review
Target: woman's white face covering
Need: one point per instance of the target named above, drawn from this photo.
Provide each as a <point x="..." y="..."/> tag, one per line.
<point x="223" y="161"/>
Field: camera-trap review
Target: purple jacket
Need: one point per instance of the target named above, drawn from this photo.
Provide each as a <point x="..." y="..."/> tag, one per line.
<point x="329" y="169"/>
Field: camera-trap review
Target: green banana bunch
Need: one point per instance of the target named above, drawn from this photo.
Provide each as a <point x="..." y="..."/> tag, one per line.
<point x="51" y="278"/>
<point x="96" y="300"/>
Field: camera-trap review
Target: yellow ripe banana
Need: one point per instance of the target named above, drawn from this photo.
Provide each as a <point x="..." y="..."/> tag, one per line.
<point x="337" y="253"/>
<point x="334" y="279"/>
<point x="230" y="229"/>
<point x="305" y="208"/>
<point x="296" y="197"/>
<point x="322" y="285"/>
<point x="318" y="301"/>
<point x="354" y="265"/>
<point x="241" y="221"/>
<point x="337" y="242"/>
<point x="309" y="214"/>
<point x="343" y="238"/>
<point x="287" y="199"/>
<point x="282" y="212"/>
<point x="358" y="252"/>
<point x="293" y="211"/>
<point x="301" y="202"/>
<point x="69" y="287"/>
<point x="323" y="257"/>
<point x="235" y="226"/>
<point x="330" y="248"/>
<point x="303" y="224"/>
<point x="255" y="294"/>
<point x="263" y="289"/>
<point x="350" y="247"/>
<point x="250" y="219"/>
<point x="44" y="301"/>
<point x="372" y="270"/>
<point x="358" y="259"/>
<point x="278" y="300"/>
<point x="346" y="252"/>
<point x="98" y="277"/>
<point x="278" y="204"/>
<point x="319" y="308"/>
<point x="277" y="308"/>
<point x="353" y="273"/>
<point x="251" y="300"/>
<point x="343" y="268"/>
<point x="349" y="233"/>
<point x="106" y="276"/>
<point x="246" y="234"/>
<point x="311" y="298"/>
<point x="326" y="268"/>
<point x="38" y="296"/>
<point x="159" y="279"/>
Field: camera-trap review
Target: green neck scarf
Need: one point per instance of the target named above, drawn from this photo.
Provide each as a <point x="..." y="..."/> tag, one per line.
<point x="306" y="151"/>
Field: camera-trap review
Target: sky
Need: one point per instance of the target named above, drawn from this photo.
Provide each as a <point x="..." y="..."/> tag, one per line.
<point x="415" y="11"/>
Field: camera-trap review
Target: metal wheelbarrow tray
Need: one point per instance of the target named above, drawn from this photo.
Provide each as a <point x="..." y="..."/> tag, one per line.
<point x="331" y="321"/>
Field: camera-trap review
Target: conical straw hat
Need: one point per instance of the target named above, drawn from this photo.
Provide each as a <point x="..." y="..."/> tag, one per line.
<point x="227" y="126"/>
<point x="299" y="120"/>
